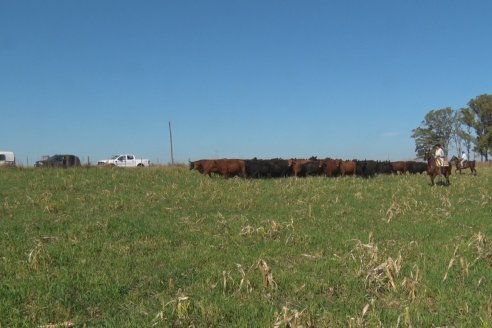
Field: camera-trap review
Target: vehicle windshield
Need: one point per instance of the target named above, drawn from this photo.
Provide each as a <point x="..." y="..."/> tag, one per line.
<point x="56" y="158"/>
<point x="115" y="156"/>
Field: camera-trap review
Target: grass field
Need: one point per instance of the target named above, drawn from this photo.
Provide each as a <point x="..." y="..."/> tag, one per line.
<point x="168" y="247"/>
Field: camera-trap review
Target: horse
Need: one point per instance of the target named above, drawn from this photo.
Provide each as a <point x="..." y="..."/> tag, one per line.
<point x="434" y="170"/>
<point x="466" y="165"/>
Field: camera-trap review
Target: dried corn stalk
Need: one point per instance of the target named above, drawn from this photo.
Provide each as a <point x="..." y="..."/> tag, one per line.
<point x="288" y="318"/>
<point x="366" y="254"/>
<point x="57" y="325"/>
<point x="411" y="284"/>
<point x="359" y="321"/>
<point x="244" y="282"/>
<point x="450" y="264"/>
<point x="225" y="278"/>
<point x="383" y="276"/>
<point x="267" y="275"/>
<point x="180" y="306"/>
<point x="247" y="230"/>
<point x="480" y="242"/>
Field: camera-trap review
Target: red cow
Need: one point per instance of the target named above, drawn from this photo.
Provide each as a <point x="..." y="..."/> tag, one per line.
<point x="399" y="166"/>
<point x="225" y="167"/>
<point x="331" y="167"/>
<point x="347" y="167"/>
<point x="296" y="166"/>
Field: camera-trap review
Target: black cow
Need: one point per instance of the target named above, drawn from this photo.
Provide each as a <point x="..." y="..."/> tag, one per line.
<point x="257" y="168"/>
<point x="371" y="168"/>
<point x="280" y="167"/>
<point x="365" y="168"/>
<point x="312" y="168"/>
<point x="415" y="167"/>
<point x="385" y="167"/>
<point x="267" y="168"/>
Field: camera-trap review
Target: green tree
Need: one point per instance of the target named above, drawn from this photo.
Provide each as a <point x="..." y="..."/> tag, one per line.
<point x="478" y="116"/>
<point x="437" y="127"/>
<point x="465" y="134"/>
<point x="458" y="135"/>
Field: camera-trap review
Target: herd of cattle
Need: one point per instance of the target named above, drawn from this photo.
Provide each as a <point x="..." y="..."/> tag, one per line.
<point x="278" y="168"/>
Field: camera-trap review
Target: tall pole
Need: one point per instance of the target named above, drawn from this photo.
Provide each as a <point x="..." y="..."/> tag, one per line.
<point x="171" y="141"/>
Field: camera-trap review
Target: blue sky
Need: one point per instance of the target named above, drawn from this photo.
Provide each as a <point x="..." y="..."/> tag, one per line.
<point x="238" y="79"/>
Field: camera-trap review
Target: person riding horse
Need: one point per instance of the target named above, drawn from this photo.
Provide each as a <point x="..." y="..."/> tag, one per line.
<point x="463" y="163"/>
<point x="463" y="158"/>
<point x="439" y="155"/>
<point x="436" y="164"/>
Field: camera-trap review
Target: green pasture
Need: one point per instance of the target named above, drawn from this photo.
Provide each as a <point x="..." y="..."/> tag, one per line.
<point x="167" y="247"/>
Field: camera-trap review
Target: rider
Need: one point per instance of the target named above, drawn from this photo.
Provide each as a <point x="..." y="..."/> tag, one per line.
<point x="439" y="155"/>
<point x="463" y="158"/>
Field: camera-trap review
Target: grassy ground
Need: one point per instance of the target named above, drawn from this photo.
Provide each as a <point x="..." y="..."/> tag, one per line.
<point x="169" y="247"/>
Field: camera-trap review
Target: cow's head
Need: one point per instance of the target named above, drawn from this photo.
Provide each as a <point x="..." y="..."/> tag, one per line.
<point x="198" y="165"/>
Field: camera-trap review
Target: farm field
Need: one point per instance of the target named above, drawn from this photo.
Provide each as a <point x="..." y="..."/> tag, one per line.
<point x="163" y="247"/>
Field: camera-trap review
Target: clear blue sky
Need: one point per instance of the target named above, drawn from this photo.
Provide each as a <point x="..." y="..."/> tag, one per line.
<point x="237" y="78"/>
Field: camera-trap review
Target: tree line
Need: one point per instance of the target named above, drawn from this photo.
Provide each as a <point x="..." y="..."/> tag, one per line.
<point x="466" y="129"/>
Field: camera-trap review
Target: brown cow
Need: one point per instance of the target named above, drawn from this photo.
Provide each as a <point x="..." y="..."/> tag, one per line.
<point x="399" y="166"/>
<point x="330" y="167"/>
<point x="225" y="167"/>
<point x="347" y="167"/>
<point x="198" y="165"/>
<point x="296" y="166"/>
<point x="305" y="167"/>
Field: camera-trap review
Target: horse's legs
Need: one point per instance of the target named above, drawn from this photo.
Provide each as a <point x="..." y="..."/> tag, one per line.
<point x="447" y="173"/>
<point x="443" y="173"/>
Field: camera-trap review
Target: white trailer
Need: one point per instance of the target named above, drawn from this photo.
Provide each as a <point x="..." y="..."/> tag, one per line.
<point x="7" y="158"/>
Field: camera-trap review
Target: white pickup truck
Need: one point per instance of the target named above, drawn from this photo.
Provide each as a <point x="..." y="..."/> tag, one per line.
<point x="125" y="160"/>
<point x="7" y="158"/>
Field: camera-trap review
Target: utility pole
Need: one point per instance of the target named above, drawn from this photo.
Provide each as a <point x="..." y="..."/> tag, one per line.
<point x="171" y="141"/>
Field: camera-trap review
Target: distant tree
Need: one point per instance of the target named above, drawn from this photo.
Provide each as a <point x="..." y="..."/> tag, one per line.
<point x="458" y="132"/>
<point x="424" y="139"/>
<point x="437" y="127"/>
<point x="478" y="116"/>
<point x="465" y="134"/>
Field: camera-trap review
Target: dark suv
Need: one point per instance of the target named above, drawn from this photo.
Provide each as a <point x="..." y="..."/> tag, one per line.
<point x="59" y="161"/>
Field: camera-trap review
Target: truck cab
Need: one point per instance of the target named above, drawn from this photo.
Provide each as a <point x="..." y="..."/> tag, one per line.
<point x="126" y="160"/>
<point x="7" y="158"/>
